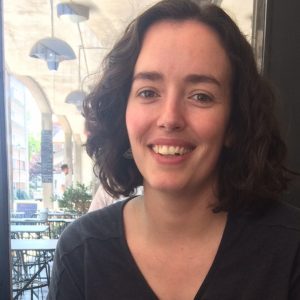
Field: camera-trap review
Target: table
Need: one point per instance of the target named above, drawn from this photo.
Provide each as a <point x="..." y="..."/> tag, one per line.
<point x="57" y="214"/>
<point x="28" y="231"/>
<point x="61" y="220"/>
<point x="34" y="245"/>
<point x="60" y="214"/>
<point x="27" y="221"/>
<point x="17" y="214"/>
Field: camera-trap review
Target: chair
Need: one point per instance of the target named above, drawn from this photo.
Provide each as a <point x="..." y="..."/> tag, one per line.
<point x="30" y="273"/>
<point x="56" y="227"/>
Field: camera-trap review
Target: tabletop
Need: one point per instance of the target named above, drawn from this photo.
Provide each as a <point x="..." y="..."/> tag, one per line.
<point x="61" y="220"/>
<point x="41" y="244"/>
<point x="29" y="228"/>
<point x="60" y="213"/>
<point x="27" y="220"/>
<point x="17" y="213"/>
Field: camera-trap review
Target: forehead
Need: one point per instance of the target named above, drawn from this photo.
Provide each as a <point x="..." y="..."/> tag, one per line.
<point x="184" y="43"/>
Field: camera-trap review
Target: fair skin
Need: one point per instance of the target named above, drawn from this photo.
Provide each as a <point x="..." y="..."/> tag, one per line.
<point x="177" y="118"/>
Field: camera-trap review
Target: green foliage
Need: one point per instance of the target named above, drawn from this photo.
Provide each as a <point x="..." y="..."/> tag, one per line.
<point x="34" y="145"/>
<point x="76" y="199"/>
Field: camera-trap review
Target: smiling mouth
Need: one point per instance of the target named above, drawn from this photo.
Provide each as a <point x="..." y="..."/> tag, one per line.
<point x="170" y="150"/>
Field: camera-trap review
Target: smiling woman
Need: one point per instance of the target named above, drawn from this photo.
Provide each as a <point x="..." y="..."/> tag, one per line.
<point x="184" y="105"/>
<point x="182" y="91"/>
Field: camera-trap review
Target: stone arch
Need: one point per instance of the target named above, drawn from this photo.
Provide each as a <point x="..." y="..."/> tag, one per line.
<point x="37" y="93"/>
<point x="46" y="111"/>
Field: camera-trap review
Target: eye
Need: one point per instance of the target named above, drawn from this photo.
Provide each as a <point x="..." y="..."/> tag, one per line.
<point x="147" y="94"/>
<point x="202" y="98"/>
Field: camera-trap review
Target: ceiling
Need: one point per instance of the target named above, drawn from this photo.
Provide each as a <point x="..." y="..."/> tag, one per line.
<point x="27" y="21"/>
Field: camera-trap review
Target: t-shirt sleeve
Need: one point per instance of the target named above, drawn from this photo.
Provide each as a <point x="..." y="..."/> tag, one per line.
<point x="64" y="283"/>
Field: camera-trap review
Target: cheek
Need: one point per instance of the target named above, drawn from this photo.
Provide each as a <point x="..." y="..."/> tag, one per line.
<point x="135" y="122"/>
<point x="212" y="129"/>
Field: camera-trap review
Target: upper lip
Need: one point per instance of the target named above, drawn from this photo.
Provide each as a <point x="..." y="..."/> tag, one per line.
<point x="172" y="142"/>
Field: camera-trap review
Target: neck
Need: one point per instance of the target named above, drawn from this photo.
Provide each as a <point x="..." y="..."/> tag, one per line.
<point x="167" y="217"/>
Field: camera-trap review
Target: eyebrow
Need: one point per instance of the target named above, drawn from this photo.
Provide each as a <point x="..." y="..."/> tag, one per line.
<point x="191" y="78"/>
<point x="197" y="78"/>
<point x="153" y="76"/>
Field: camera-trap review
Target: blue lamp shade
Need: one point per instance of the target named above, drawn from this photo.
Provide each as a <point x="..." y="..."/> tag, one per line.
<point x="75" y="12"/>
<point x="53" y="51"/>
<point x="76" y="97"/>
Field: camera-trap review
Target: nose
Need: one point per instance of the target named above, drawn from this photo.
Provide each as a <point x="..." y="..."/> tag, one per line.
<point x="171" y="117"/>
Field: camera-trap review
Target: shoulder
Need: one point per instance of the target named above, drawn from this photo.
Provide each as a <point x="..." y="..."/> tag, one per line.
<point x="282" y="215"/>
<point x="102" y="224"/>
<point x="90" y="237"/>
<point x="275" y="233"/>
<point x="278" y="227"/>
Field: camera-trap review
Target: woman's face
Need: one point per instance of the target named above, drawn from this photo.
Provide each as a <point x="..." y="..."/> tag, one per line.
<point x="179" y="106"/>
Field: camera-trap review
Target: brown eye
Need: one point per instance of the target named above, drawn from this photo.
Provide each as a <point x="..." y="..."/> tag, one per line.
<point x="201" y="97"/>
<point x="147" y="94"/>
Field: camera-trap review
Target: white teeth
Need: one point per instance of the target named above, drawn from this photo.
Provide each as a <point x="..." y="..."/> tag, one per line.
<point x="170" y="150"/>
<point x="163" y="150"/>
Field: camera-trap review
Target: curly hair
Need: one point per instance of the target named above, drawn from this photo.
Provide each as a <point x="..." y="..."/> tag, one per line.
<point x="251" y="169"/>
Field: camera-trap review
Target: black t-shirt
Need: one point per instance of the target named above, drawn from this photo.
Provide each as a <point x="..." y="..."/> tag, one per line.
<point x="258" y="259"/>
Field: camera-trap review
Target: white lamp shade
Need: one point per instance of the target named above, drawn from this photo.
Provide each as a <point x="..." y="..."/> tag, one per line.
<point x="53" y="51"/>
<point x="76" y="98"/>
<point x="75" y="12"/>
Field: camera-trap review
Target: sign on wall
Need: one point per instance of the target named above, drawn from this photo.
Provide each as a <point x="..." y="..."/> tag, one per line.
<point x="47" y="156"/>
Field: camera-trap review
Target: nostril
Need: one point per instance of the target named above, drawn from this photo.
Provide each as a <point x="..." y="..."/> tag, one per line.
<point x="169" y="126"/>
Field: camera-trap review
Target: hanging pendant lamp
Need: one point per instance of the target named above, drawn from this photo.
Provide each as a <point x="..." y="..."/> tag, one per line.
<point x="73" y="11"/>
<point x="51" y="49"/>
<point x="76" y="97"/>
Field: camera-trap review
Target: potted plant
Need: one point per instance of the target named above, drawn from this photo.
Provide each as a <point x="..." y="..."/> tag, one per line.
<point x="76" y="199"/>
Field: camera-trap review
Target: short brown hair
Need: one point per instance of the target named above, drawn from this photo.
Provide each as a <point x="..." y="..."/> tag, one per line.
<point x="251" y="170"/>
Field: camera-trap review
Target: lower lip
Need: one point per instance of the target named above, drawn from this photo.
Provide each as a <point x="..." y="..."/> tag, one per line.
<point x="170" y="159"/>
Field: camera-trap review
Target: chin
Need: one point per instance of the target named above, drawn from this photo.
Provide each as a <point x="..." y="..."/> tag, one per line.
<point x="170" y="185"/>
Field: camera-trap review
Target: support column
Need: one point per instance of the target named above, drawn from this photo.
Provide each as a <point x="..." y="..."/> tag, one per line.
<point x="47" y="160"/>
<point x="68" y="157"/>
<point x="77" y="159"/>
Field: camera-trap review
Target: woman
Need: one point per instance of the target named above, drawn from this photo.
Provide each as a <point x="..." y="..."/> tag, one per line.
<point x="181" y="92"/>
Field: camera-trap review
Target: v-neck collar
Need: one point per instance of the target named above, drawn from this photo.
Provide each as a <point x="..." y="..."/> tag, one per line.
<point x="225" y="240"/>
